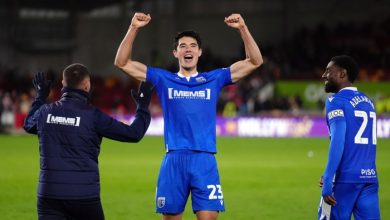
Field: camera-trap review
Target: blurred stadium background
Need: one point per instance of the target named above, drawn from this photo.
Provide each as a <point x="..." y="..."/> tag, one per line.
<point x="284" y="98"/>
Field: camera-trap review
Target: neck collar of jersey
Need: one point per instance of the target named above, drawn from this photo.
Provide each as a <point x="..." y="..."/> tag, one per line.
<point x="75" y="93"/>
<point x="187" y="77"/>
<point x="349" y="88"/>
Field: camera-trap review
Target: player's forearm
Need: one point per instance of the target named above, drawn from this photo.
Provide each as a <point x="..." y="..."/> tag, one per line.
<point x="124" y="53"/>
<point x="252" y="51"/>
<point x="30" y="123"/>
<point x="330" y="171"/>
<point x="336" y="149"/>
<point x="333" y="163"/>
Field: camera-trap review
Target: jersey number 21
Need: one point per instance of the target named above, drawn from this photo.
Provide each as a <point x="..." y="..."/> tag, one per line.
<point x="358" y="137"/>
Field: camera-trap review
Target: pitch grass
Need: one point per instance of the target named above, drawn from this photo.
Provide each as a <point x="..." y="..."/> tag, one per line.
<point x="261" y="178"/>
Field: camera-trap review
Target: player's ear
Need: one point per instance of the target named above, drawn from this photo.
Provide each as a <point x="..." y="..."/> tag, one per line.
<point x="174" y="53"/>
<point x="85" y="84"/>
<point x="63" y="83"/>
<point x="88" y="86"/>
<point x="200" y="52"/>
<point x="343" y="73"/>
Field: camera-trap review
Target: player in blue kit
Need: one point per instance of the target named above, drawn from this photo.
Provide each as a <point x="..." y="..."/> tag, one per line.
<point x="349" y="183"/>
<point x="189" y="99"/>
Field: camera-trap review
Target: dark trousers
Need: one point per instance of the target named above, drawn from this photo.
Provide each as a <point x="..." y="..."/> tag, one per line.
<point x="76" y="209"/>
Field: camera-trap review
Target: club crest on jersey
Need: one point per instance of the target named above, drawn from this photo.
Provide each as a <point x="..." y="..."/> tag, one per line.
<point x="160" y="202"/>
<point x="183" y="94"/>
<point x="52" y="119"/>
<point x="200" y="79"/>
<point x="335" y="113"/>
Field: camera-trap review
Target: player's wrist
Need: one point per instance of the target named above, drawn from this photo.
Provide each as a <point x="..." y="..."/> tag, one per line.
<point x="133" y="27"/>
<point x="42" y="95"/>
<point x="242" y="27"/>
<point x="326" y="178"/>
<point x="142" y="110"/>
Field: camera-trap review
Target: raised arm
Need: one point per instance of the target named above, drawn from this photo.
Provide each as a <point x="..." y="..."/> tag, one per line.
<point x="123" y="58"/>
<point x="42" y="88"/>
<point x="253" y="57"/>
<point x="111" y="128"/>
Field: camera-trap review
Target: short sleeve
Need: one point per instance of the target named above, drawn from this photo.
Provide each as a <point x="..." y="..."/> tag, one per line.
<point x="222" y="75"/>
<point x="154" y="75"/>
<point x="226" y="76"/>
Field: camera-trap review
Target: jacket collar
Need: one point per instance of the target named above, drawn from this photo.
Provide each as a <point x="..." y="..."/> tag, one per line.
<point x="75" y="94"/>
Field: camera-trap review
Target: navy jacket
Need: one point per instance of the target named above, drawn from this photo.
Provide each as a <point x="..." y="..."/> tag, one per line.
<point x="70" y="132"/>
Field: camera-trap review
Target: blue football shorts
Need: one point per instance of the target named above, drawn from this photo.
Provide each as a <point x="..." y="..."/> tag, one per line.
<point x="183" y="172"/>
<point x="359" y="199"/>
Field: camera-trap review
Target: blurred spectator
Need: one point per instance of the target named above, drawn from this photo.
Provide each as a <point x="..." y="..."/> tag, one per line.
<point x="7" y="116"/>
<point x="1" y="110"/>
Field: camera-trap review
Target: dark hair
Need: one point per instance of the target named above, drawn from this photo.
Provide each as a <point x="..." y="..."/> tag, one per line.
<point x="188" y="33"/>
<point x="348" y="63"/>
<point x="74" y="74"/>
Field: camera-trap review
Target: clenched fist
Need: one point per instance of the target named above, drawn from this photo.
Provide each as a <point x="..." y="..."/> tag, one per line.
<point x="235" y="21"/>
<point x="140" y="20"/>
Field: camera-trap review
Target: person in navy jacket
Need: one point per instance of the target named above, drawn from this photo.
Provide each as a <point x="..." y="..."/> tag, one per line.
<point x="70" y="132"/>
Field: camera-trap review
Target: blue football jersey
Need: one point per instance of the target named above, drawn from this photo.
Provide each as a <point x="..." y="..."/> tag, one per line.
<point x="357" y="164"/>
<point x="189" y="107"/>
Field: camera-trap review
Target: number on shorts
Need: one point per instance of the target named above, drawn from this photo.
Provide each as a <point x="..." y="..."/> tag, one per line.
<point x="216" y="192"/>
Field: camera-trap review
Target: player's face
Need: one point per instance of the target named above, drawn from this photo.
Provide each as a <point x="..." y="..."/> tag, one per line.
<point x="331" y="77"/>
<point x="187" y="53"/>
